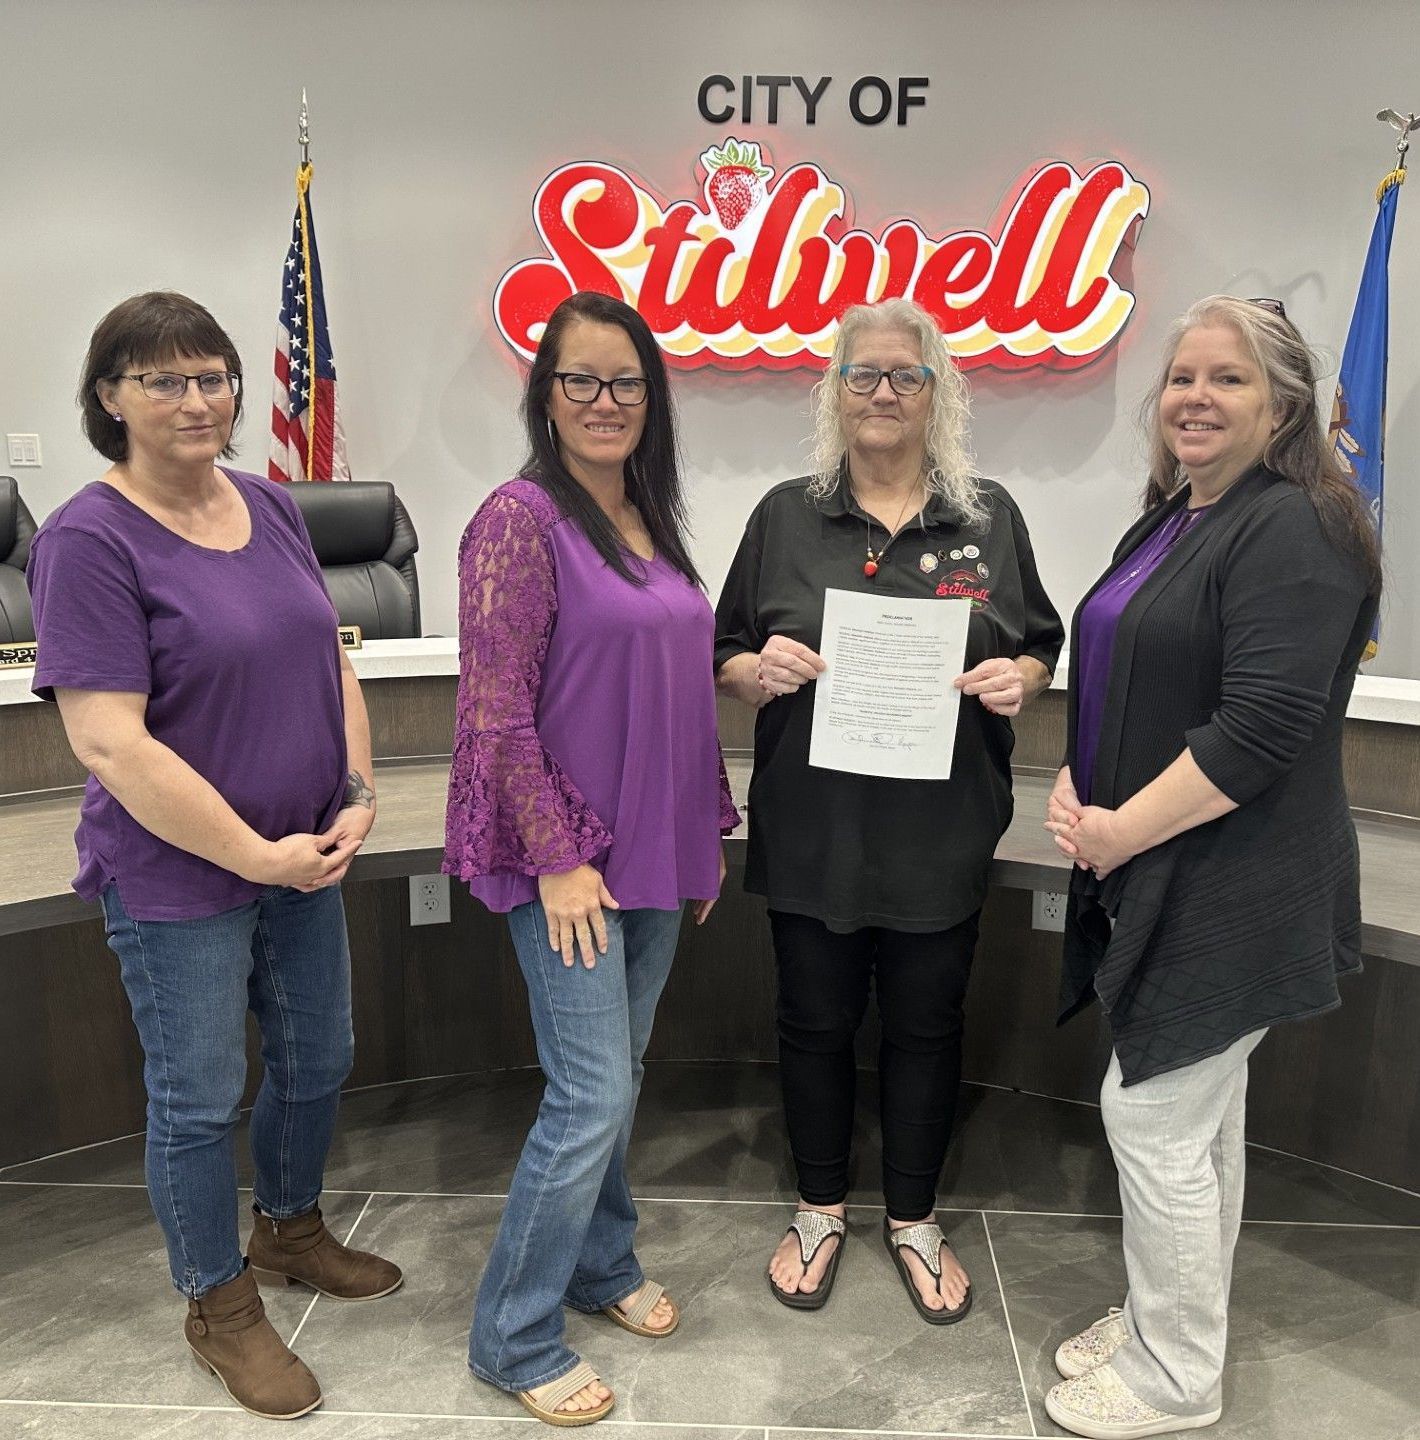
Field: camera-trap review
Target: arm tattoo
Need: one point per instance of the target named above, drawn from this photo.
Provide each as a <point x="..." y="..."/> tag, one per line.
<point x="357" y="792"/>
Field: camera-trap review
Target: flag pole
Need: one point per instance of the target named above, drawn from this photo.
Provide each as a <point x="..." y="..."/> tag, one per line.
<point x="1357" y="430"/>
<point x="1404" y="124"/>
<point x="306" y="438"/>
<point x="303" y="184"/>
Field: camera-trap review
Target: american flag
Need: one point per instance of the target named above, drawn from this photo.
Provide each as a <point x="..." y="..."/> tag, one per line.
<point x="307" y="442"/>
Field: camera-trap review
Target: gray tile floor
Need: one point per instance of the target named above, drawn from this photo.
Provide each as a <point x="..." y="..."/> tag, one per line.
<point x="1325" y="1326"/>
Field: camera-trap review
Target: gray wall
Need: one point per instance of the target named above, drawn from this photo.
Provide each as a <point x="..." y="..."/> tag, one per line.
<point x="151" y="143"/>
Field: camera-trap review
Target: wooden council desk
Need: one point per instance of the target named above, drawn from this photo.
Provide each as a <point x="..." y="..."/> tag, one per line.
<point x="436" y="1000"/>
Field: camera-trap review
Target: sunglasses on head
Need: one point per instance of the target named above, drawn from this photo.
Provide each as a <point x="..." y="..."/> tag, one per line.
<point x="1275" y="306"/>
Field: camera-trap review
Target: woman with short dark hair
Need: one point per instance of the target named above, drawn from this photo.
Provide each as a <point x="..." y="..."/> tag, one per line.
<point x="1216" y="890"/>
<point x="586" y="802"/>
<point x="227" y="796"/>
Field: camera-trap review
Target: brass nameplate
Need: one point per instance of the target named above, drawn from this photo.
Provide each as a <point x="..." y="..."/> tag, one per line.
<point x="16" y="657"/>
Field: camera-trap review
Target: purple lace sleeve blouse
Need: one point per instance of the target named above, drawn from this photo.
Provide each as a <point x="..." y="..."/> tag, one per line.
<point x="585" y="724"/>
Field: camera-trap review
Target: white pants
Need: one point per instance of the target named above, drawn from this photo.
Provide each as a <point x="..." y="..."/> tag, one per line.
<point x="1177" y="1140"/>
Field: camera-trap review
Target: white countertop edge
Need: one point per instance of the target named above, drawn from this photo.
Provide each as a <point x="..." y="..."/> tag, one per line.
<point x="389" y="659"/>
<point x="1384" y="698"/>
<point x="375" y="660"/>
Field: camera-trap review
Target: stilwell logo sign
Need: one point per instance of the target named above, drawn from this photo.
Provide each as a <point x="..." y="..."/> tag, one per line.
<point x="757" y="269"/>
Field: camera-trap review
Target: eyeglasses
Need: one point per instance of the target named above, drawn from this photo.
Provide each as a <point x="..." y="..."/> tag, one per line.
<point x="1276" y="307"/>
<point x="904" y="379"/>
<point x="165" y="385"/>
<point x="587" y="389"/>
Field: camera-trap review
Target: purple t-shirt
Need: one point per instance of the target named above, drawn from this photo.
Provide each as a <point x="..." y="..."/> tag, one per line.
<point x="586" y="717"/>
<point x="1098" y="622"/>
<point x="238" y="655"/>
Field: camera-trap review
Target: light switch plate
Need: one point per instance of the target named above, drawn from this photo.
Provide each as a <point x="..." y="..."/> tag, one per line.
<point x="24" y="449"/>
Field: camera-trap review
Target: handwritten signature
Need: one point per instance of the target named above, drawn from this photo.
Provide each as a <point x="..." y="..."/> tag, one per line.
<point x="877" y="740"/>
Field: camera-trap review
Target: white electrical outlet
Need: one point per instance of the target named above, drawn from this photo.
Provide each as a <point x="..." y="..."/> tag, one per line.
<point x="24" y="449"/>
<point x="1047" y="910"/>
<point x="428" y="899"/>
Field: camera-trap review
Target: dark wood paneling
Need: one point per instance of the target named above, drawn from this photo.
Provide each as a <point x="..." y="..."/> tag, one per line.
<point x="375" y="916"/>
<point x="1382" y="766"/>
<point x="35" y="750"/>
<point x="1382" y="761"/>
<point x="736" y="725"/>
<point x="445" y="999"/>
<point x="719" y="1000"/>
<point x="1341" y="1088"/>
<point x="1040" y="732"/>
<point x="71" y="1070"/>
<point x="465" y="1005"/>
<point x="411" y="715"/>
<point x="1011" y="1035"/>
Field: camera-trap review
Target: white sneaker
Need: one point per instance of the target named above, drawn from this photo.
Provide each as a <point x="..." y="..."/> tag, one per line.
<point x="1100" y="1405"/>
<point x="1093" y="1347"/>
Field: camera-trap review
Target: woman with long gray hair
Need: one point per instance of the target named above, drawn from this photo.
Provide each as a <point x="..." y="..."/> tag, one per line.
<point x="878" y="881"/>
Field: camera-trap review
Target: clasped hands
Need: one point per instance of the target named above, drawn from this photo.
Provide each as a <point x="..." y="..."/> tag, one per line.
<point x="785" y="665"/>
<point x="310" y="862"/>
<point x="1090" y="835"/>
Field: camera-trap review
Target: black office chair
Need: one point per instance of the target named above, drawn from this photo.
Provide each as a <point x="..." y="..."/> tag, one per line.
<point x="365" y="543"/>
<point x="17" y="625"/>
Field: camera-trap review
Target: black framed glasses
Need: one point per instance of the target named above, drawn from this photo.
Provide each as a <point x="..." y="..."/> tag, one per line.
<point x="169" y="385"/>
<point x="904" y="379"/>
<point x="587" y="389"/>
<point x="1276" y="307"/>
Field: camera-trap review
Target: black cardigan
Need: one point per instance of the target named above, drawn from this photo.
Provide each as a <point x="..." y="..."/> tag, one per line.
<point x="1241" y="647"/>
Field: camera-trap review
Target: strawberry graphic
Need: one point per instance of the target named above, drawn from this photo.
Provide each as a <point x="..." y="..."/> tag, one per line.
<point x="734" y="179"/>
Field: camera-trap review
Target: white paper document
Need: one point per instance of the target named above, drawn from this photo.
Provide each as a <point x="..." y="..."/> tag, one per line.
<point x="886" y="704"/>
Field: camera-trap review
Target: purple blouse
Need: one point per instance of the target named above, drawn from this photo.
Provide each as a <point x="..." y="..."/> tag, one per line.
<point x="585" y="725"/>
<point x="238" y="655"/>
<point x="1098" y="622"/>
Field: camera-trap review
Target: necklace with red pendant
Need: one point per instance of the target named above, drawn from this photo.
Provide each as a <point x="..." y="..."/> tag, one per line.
<point x="872" y="563"/>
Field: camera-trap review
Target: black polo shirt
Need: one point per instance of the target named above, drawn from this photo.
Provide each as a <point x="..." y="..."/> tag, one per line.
<point x="855" y="850"/>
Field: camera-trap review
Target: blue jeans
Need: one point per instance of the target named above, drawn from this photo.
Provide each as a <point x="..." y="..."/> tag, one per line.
<point x="190" y="983"/>
<point x="568" y="1229"/>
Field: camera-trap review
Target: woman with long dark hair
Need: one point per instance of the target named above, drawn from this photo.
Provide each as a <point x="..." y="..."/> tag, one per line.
<point x="586" y="802"/>
<point x="1216" y="889"/>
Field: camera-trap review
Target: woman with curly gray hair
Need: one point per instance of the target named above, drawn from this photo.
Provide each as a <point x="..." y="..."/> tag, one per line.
<point x="878" y="882"/>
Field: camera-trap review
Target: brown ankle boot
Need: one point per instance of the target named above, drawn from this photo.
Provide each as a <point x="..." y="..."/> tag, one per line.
<point x="302" y="1249"/>
<point x="232" y="1338"/>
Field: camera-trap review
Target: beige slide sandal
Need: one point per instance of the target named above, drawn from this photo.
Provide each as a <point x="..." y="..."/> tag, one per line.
<point x="635" y="1318"/>
<point x="543" y="1400"/>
